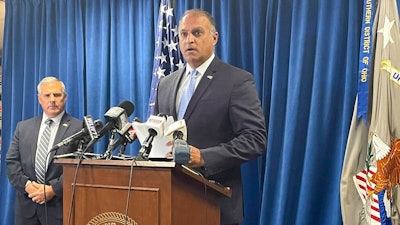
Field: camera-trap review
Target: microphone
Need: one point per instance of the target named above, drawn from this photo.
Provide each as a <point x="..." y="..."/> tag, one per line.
<point x="180" y="148"/>
<point x="155" y="126"/>
<point x="117" y="118"/>
<point x="127" y="135"/>
<point x="89" y="127"/>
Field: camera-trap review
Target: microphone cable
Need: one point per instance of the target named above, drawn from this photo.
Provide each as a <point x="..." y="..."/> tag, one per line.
<point x="133" y="164"/>
<point x="47" y="163"/>
<point x="44" y="186"/>
<point x="74" y="185"/>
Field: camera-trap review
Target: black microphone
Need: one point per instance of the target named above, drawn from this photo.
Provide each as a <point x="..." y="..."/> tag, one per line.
<point x="126" y="135"/>
<point x="145" y="150"/>
<point x="155" y="126"/>
<point x="117" y="118"/>
<point x="89" y="128"/>
<point x="90" y="125"/>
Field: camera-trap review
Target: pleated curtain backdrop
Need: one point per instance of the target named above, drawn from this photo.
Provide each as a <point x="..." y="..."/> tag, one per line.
<point x="303" y="55"/>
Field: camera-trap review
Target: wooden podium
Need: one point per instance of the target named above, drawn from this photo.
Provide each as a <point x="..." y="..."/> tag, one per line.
<point x="113" y="192"/>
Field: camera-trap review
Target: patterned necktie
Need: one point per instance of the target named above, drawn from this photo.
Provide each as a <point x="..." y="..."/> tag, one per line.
<point x="41" y="153"/>
<point x="187" y="94"/>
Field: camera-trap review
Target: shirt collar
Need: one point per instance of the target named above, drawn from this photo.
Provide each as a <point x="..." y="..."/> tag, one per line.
<point x="56" y="120"/>
<point x="202" y="68"/>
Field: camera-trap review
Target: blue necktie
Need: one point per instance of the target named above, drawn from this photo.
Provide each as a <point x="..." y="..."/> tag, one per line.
<point x="41" y="153"/>
<point x="187" y="94"/>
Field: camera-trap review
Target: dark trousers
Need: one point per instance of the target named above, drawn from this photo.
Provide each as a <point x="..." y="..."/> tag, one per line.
<point x="39" y="218"/>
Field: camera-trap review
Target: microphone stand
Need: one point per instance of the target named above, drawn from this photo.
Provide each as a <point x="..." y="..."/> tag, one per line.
<point x="108" y="153"/>
<point x="122" y="149"/>
<point x="121" y="154"/>
<point x="111" y="146"/>
<point x="79" y="153"/>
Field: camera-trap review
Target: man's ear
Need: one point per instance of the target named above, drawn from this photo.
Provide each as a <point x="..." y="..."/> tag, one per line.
<point x="215" y="36"/>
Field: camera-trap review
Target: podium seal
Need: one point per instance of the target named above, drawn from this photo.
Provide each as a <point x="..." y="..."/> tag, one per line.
<point x="112" y="218"/>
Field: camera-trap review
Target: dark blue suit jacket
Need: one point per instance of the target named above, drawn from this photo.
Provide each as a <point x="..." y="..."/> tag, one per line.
<point x="225" y="121"/>
<point x="20" y="163"/>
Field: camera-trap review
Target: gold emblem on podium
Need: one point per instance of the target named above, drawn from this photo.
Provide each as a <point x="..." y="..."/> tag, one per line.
<point x="112" y="218"/>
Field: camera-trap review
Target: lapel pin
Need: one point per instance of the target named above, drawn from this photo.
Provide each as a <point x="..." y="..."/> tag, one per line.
<point x="210" y="77"/>
<point x="65" y="125"/>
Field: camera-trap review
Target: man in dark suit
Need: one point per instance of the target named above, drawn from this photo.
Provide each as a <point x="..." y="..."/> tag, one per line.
<point x="225" y="123"/>
<point x="37" y="203"/>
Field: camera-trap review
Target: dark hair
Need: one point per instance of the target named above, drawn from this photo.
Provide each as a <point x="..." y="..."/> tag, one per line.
<point x="204" y="13"/>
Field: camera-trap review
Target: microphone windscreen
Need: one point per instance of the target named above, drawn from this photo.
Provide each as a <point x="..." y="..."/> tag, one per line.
<point x="98" y="124"/>
<point x="179" y="125"/>
<point x="127" y="106"/>
<point x="181" y="152"/>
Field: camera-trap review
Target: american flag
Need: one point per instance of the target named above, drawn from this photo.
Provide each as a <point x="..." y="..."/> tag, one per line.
<point x="371" y="204"/>
<point x="372" y="144"/>
<point x="167" y="56"/>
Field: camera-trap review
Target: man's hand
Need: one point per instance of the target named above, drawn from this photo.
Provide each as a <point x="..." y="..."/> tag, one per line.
<point x="36" y="192"/>
<point x="195" y="158"/>
<point x="30" y="188"/>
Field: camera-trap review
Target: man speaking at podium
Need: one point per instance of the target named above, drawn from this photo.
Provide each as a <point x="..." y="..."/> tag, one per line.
<point x="28" y="156"/>
<point x="220" y="105"/>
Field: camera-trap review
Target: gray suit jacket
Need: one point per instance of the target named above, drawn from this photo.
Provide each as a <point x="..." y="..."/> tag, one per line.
<point x="20" y="161"/>
<point x="225" y="121"/>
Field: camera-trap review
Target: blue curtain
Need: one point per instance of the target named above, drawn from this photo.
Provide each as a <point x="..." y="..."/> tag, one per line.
<point x="102" y="50"/>
<point x="303" y="55"/>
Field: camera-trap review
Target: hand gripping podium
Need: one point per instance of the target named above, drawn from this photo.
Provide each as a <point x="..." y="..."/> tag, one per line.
<point x="119" y="192"/>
